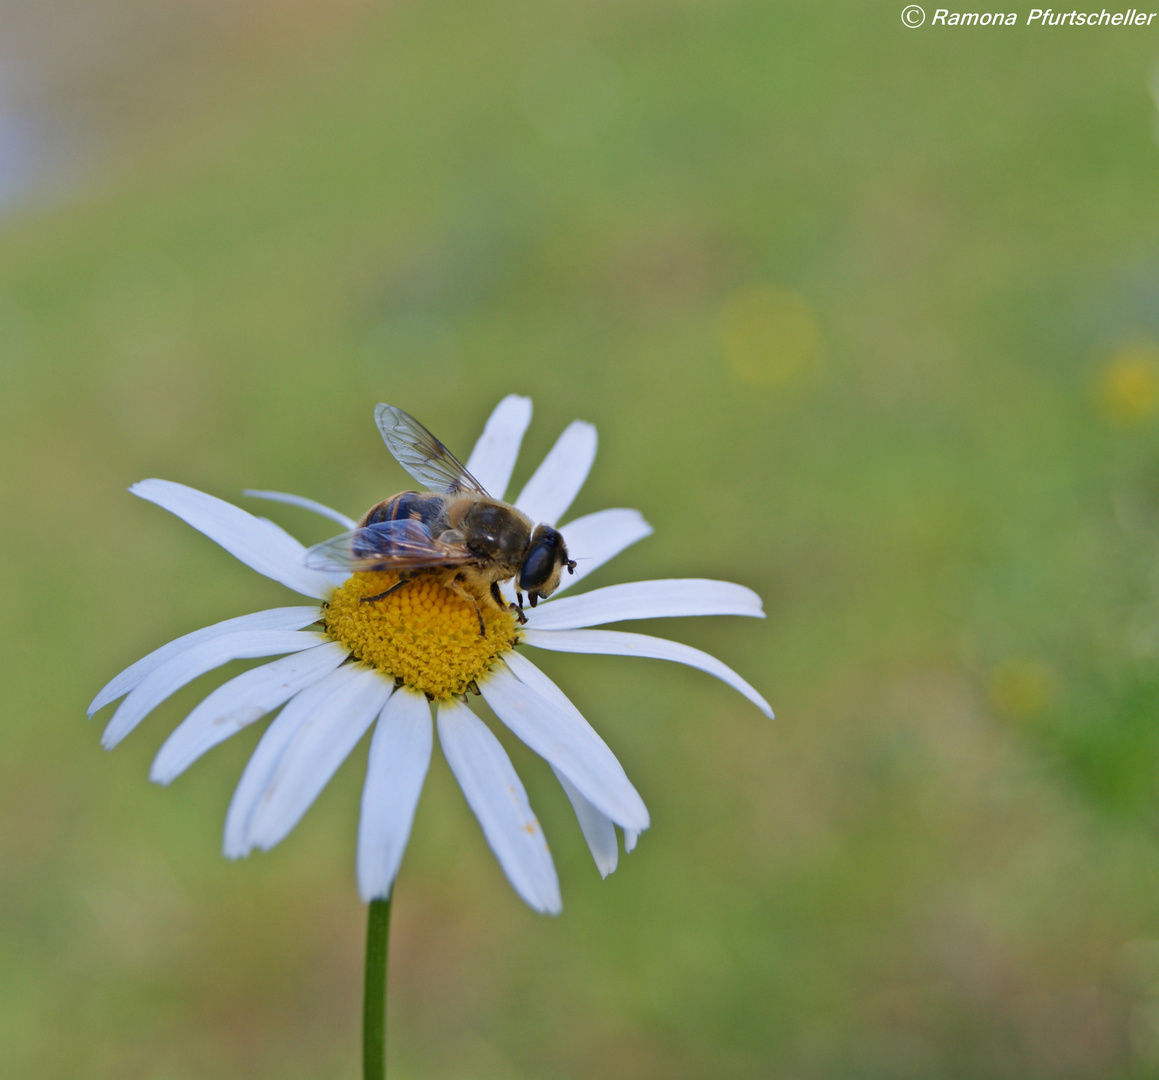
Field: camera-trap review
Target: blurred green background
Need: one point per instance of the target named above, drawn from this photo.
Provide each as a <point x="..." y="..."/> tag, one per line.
<point x="867" y="318"/>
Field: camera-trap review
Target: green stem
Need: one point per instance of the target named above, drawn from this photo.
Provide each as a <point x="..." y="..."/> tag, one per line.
<point x="374" y="1001"/>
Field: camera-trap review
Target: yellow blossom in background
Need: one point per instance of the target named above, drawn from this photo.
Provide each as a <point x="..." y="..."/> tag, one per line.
<point x="771" y="336"/>
<point x="1129" y="384"/>
<point x="1021" y="689"/>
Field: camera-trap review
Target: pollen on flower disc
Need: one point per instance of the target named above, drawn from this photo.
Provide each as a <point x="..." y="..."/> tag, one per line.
<point x="422" y="633"/>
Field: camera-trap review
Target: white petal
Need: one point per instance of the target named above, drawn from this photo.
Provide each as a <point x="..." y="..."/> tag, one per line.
<point x="496" y="795"/>
<point x="400" y="754"/>
<point x="187" y="666"/>
<point x="630" y="839"/>
<point x="494" y="455"/>
<point x="305" y="504"/>
<point x="264" y="760"/>
<point x="258" y="543"/>
<point x="557" y="481"/>
<point x="619" y="643"/>
<point x="314" y="753"/>
<point x="569" y="745"/>
<point x="595" y="538"/>
<point x="286" y="618"/>
<point x="646" y="600"/>
<point x="240" y="702"/>
<point x="598" y="830"/>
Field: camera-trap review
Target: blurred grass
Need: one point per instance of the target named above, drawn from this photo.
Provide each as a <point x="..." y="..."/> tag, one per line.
<point x="941" y="859"/>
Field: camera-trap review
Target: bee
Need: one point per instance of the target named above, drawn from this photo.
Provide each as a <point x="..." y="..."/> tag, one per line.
<point x="454" y="531"/>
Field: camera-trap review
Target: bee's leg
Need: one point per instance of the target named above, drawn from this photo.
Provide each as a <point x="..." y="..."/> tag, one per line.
<point x="394" y="588"/>
<point x="458" y="590"/>
<point x="519" y="602"/>
<point x="498" y="598"/>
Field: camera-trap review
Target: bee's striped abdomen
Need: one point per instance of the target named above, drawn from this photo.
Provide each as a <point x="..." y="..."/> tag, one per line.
<point x="421" y="506"/>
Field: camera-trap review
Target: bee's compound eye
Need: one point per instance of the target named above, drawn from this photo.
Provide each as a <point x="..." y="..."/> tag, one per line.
<point x="537" y="567"/>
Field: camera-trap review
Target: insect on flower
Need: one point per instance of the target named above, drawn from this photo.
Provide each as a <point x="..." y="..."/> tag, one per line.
<point x="456" y="532"/>
<point x="409" y="616"/>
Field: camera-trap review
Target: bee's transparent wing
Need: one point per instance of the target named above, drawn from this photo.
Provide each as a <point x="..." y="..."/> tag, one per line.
<point x="405" y="544"/>
<point x="422" y="455"/>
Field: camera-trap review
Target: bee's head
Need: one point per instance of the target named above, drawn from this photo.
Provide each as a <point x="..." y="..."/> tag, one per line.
<point x="546" y="557"/>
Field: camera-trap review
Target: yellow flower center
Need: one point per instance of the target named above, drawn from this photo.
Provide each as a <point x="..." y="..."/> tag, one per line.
<point x="422" y="633"/>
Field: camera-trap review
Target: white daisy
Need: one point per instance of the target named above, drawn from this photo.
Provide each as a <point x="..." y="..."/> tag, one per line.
<point x="345" y="667"/>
